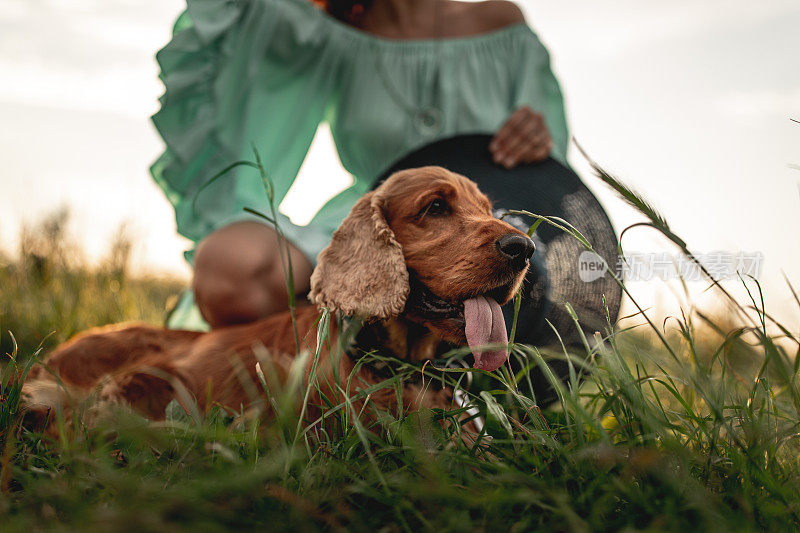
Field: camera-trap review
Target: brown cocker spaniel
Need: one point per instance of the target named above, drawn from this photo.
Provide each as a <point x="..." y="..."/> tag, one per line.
<point x="421" y="261"/>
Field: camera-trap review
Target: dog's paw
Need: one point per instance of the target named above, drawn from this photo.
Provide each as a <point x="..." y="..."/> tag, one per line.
<point x="40" y="402"/>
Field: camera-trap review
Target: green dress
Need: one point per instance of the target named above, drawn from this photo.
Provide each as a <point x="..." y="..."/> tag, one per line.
<point x="264" y="73"/>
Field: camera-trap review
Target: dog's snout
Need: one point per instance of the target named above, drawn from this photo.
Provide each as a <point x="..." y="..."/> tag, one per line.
<point x="517" y="248"/>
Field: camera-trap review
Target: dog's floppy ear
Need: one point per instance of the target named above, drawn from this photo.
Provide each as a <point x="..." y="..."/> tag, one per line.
<point x="362" y="272"/>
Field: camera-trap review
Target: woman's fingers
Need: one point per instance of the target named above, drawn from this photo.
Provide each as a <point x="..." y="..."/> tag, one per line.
<point x="539" y="150"/>
<point x="523" y="138"/>
<point x="505" y="136"/>
<point x="519" y="145"/>
<point x="537" y="155"/>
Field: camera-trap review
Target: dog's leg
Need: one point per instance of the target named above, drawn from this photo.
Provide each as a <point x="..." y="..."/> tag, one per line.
<point x="148" y="390"/>
<point x="79" y="366"/>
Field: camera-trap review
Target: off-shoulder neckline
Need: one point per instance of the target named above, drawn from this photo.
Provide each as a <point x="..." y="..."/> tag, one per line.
<point x="427" y="42"/>
<point x="389" y="43"/>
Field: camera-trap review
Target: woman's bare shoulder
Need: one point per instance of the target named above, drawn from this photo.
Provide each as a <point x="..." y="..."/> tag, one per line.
<point x="491" y="14"/>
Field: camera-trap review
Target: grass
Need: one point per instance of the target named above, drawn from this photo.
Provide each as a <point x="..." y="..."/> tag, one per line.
<point x="689" y="426"/>
<point x="49" y="292"/>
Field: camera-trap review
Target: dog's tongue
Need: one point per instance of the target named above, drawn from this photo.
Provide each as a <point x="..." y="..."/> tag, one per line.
<point x="485" y="325"/>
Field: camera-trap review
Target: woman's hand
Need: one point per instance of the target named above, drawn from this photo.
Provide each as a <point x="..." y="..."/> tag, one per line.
<point x="524" y="138"/>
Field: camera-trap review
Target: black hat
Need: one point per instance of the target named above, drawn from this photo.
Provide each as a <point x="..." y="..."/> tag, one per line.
<point x="561" y="269"/>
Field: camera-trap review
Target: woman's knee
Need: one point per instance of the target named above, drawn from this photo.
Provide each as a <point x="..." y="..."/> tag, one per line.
<point x="239" y="277"/>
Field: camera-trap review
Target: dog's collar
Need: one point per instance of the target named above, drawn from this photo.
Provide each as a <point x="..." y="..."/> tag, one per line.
<point x="423" y="302"/>
<point x="361" y="347"/>
<point x="432" y="371"/>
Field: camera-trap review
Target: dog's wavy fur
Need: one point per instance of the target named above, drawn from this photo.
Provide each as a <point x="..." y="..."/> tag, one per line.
<point x="395" y="238"/>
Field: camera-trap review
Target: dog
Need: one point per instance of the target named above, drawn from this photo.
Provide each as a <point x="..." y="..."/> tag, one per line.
<point x="420" y="262"/>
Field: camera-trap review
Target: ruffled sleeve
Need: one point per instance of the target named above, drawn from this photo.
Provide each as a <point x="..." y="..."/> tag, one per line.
<point x="238" y="74"/>
<point x="537" y="87"/>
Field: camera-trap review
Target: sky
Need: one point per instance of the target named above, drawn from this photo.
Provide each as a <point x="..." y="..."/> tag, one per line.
<point x="687" y="101"/>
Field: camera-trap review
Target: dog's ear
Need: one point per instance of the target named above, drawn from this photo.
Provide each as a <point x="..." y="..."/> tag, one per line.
<point x="362" y="272"/>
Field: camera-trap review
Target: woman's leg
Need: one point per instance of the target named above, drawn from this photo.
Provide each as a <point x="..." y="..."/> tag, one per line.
<point x="238" y="277"/>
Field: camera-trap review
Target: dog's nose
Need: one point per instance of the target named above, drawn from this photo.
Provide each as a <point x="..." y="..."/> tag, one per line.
<point x="517" y="248"/>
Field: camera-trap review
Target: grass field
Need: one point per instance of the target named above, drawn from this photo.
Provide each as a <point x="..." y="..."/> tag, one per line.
<point x="692" y="425"/>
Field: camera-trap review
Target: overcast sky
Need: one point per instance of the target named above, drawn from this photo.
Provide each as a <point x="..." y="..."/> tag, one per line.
<point x="688" y="101"/>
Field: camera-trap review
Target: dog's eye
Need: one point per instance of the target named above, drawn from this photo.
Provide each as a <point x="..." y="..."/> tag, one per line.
<point x="435" y="208"/>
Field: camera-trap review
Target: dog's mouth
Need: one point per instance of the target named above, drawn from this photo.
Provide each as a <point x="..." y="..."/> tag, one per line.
<point x="477" y="319"/>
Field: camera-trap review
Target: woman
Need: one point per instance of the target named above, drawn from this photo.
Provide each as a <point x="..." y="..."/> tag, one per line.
<point x="388" y="75"/>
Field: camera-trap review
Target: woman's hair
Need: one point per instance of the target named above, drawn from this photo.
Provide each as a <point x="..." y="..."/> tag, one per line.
<point x="348" y="11"/>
